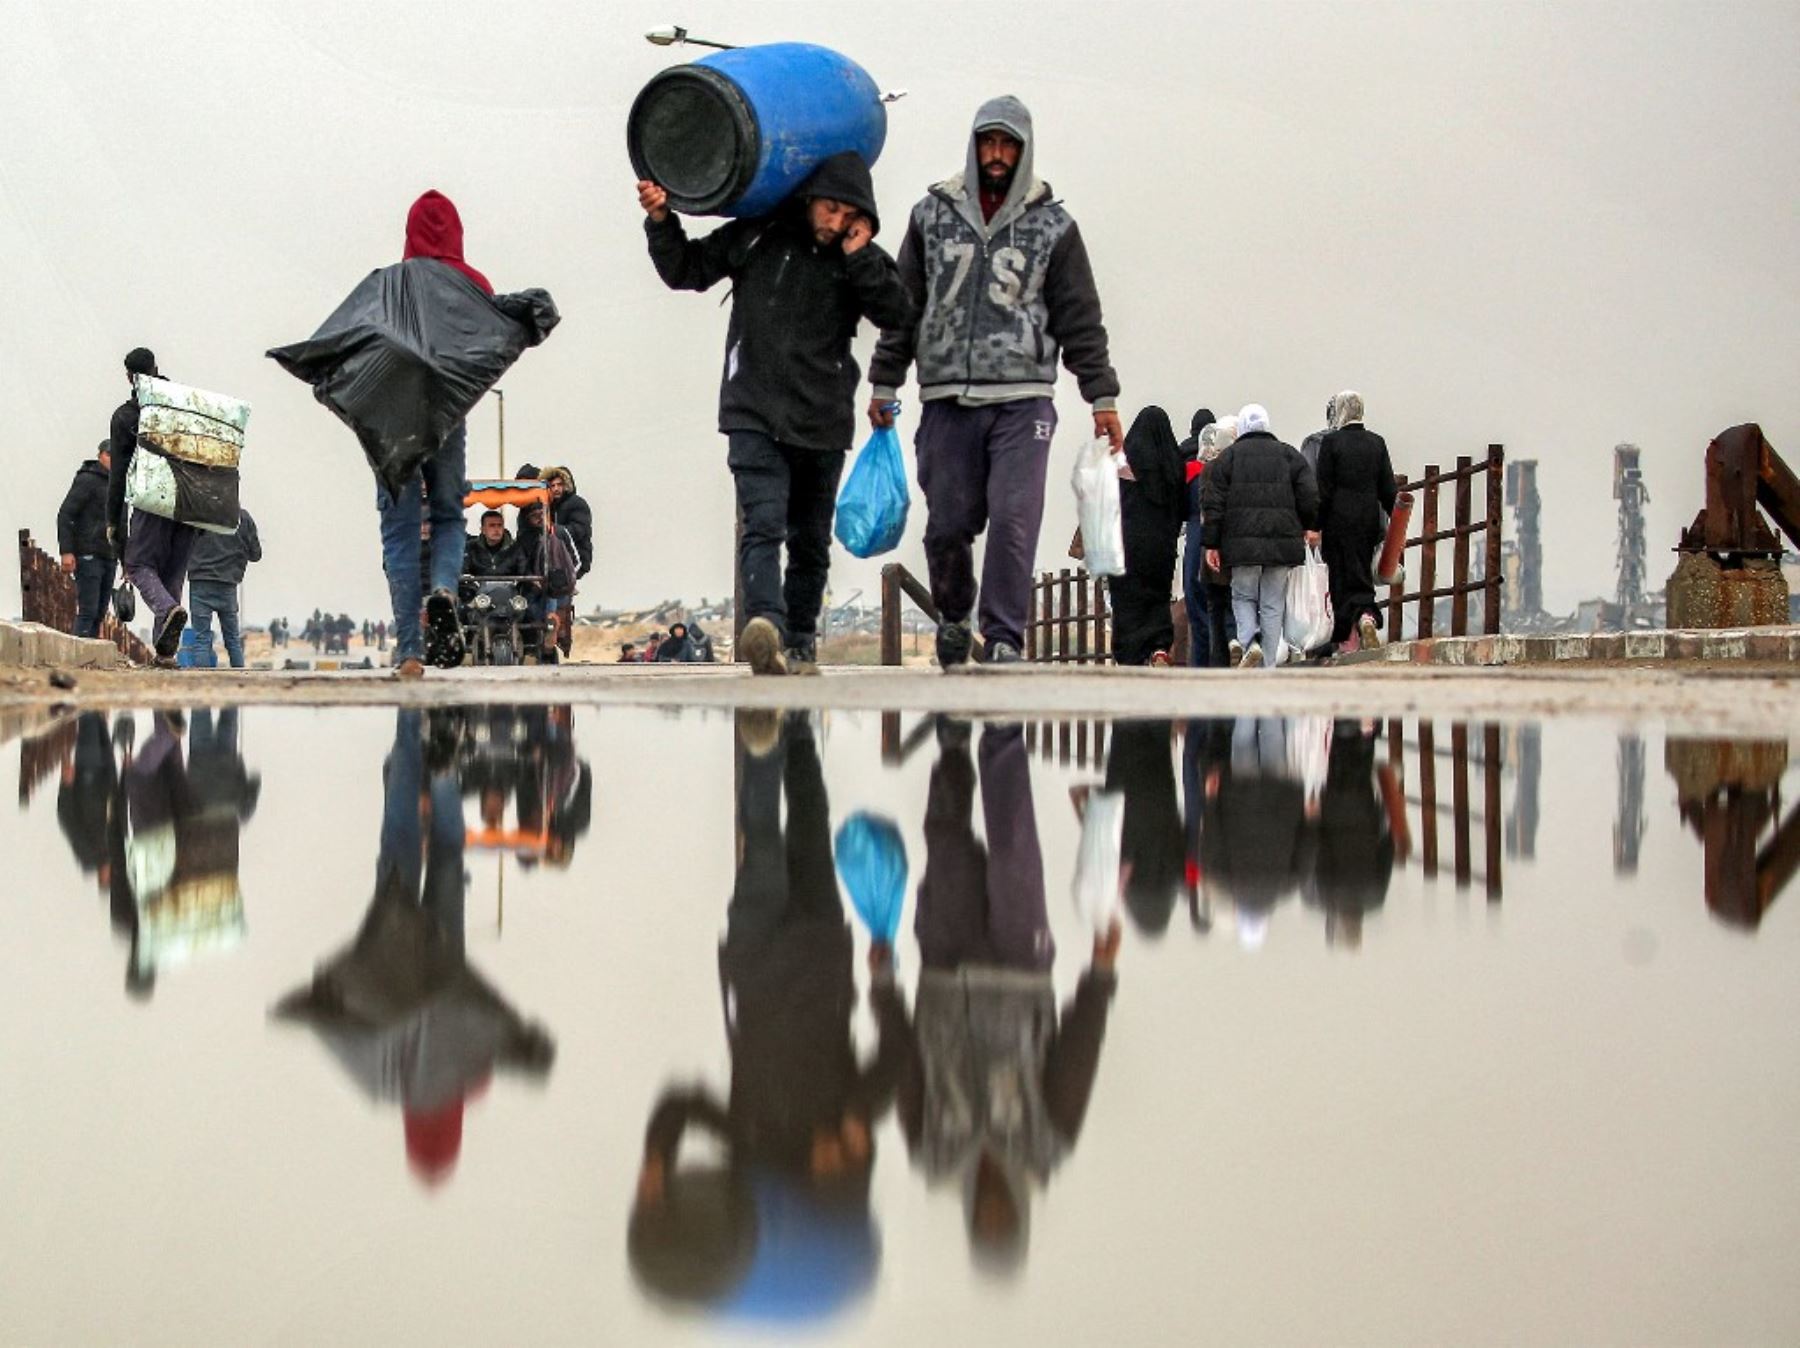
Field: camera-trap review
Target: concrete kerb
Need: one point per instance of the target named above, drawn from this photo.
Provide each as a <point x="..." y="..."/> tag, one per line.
<point x="1779" y="645"/>
<point x="34" y="646"/>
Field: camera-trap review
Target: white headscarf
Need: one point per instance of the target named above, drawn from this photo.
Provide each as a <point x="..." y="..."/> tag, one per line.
<point x="1252" y="417"/>
<point x="1346" y="409"/>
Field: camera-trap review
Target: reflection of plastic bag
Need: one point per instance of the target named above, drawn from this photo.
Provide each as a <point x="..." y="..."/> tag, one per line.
<point x="1098" y="858"/>
<point x="1096" y="481"/>
<point x="188" y="493"/>
<point x="1309" y="752"/>
<point x="871" y="509"/>
<point x="405" y="357"/>
<point x="871" y="858"/>
<point x="1308" y="620"/>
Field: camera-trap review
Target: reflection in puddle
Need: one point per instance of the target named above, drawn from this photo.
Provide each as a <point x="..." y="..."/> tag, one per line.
<point x="401" y="1009"/>
<point x="968" y="976"/>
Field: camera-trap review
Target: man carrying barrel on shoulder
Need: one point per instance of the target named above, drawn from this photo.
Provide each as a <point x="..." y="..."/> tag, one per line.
<point x="1000" y="278"/>
<point x="802" y="277"/>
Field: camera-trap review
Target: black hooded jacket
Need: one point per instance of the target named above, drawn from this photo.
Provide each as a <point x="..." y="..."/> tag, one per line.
<point x="1190" y="454"/>
<point x="81" y="519"/>
<point x="506" y="558"/>
<point x="795" y="307"/>
<point x="1154" y="504"/>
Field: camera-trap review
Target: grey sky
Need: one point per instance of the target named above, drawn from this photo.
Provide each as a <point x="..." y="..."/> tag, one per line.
<point x="1556" y="226"/>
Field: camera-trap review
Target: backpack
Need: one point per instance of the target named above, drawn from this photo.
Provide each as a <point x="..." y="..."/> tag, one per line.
<point x="556" y="564"/>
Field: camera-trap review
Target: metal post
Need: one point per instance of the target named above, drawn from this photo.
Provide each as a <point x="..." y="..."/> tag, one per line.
<point x="1428" y="555"/>
<point x="1063" y="643"/>
<point x="500" y="401"/>
<point x="1395" y="609"/>
<point x="890" y="614"/>
<point x="1490" y="772"/>
<point x="1459" y="799"/>
<point x="1083" y="583"/>
<point x="1459" y="548"/>
<point x="1491" y="541"/>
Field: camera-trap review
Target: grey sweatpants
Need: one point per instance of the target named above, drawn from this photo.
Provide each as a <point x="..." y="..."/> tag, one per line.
<point x="983" y="468"/>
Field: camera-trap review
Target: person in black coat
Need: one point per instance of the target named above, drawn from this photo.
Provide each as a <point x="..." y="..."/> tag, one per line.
<point x="1193" y="580"/>
<point x="1259" y="501"/>
<point x="1356" y="494"/>
<point x="1153" y="506"/>
<point x="803" y="278"/>
<point x="81" y="538"/>
<point x="493" y="551"/>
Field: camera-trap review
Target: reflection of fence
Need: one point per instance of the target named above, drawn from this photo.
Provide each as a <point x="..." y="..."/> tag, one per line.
<point x="1068" y="623"/>
<point x="47" y="596"/>
<point x="1079" y="742"/>
<point x="1432" y="812"/>
<point x="1464" y="527"/>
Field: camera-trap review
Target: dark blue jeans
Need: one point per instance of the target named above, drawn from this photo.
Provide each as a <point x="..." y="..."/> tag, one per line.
<point x="401" y="518"/>
<point x="429" y="869"/>
<point x="93" y="588"/>
<point x="205" y="598"/>
<point x="1193" y="595"/>
<point x="784" y="495"/>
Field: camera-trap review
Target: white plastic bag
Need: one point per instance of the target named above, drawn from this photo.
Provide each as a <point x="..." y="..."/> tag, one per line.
<point x="1308" y="620"/>
<point x="1098" y="858"/>
<point x="1096" y="482"/>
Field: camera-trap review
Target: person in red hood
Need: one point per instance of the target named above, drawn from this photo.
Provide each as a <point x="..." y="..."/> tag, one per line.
<point x="434" y="229"/>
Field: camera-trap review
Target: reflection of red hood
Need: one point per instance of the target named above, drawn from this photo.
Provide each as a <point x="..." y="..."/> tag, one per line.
<point x="434" y="230"/>
<point x="434" y="1140"/>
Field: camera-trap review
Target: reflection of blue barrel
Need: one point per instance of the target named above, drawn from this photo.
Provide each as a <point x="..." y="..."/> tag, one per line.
<point x="735" y="132"/>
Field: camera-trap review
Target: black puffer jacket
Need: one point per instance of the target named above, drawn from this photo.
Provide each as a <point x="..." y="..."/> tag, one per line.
<point x="505" y="558"/>
<point x="1259" y="497"/>
<point x="795" y="306"/>
<point x="81" y="519"/>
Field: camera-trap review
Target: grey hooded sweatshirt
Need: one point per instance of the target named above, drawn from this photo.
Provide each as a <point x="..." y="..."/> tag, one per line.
<point x="997" y="299"/>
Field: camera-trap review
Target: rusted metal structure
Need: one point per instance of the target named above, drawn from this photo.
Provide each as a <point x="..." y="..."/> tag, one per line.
<point x="1729" y="571"/>
<point x="1729" y="793"/>
<point x="1469" y="574"/>
<point x="47" y="596"/>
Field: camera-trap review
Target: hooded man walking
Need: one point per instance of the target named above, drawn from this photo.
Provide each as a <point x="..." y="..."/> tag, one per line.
<point x="156" y="550"/>
<point x="81" y="538"/>
<point x="802" y="278"/>
<point x="1000" y="277"/>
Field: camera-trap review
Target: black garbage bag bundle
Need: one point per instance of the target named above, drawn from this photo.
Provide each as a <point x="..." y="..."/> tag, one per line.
<point x="410" y="352"/>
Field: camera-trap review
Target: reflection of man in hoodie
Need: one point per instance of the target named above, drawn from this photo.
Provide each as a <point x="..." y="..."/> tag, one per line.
<point x="802" y="278"/>
<point x="84" y="797"/>
<point x="790" y="1204"/>
<point x="1000" y="281"/>
<point x="996" y="1086"/>
<point x="400" y="1008"/>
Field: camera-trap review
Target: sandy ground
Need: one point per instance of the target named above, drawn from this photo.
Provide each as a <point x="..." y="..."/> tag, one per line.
<point x="1725" y="698"/>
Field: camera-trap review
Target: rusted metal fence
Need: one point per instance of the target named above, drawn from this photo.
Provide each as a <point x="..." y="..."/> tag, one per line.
<point x="47" y="596"/>
<point x="1069" y="621"/>
<point x="1470" y="574"/>
<point x="1081" y="743"/>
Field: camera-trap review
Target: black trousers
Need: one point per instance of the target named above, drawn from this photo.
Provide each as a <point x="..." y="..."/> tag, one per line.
<point x="784" y="495"/>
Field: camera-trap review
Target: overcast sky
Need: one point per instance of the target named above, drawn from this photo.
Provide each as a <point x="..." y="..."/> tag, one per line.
<point x="1551" y="225"/>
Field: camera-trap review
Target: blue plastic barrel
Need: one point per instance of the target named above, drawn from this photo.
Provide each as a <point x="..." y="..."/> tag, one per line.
<point x="735" y="132"/>
<point x="192" y="654"/>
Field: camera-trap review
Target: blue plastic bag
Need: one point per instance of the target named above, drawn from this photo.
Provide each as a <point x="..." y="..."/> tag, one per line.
<point x="871" y="860"/>
<point x="871" y="508"/>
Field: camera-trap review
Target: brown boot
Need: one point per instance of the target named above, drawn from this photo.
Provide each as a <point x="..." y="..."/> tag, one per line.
<point x="410" y="669"/>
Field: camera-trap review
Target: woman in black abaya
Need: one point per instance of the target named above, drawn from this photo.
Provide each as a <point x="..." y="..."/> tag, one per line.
<point x="1153" y="504"/>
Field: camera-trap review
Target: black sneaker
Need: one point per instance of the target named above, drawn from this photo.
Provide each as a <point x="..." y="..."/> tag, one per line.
<point x="954" y="641"/>
<point x="167" y="637"/>
<point x="1003" y="653"/>
<point x="803" y="656"/>
<point x="446" y="633"/>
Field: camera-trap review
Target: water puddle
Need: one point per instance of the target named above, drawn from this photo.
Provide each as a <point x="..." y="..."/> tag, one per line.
<point x="547" y="1024"/>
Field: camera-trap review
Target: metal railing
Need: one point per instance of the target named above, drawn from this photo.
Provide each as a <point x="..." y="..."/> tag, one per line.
<point x="47" y="596"/>
<point x="1464" y="527"/>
